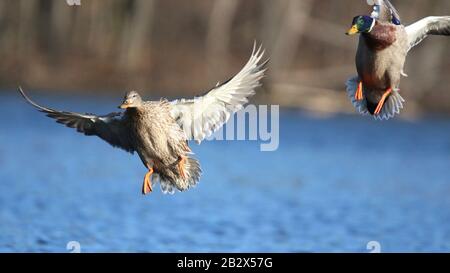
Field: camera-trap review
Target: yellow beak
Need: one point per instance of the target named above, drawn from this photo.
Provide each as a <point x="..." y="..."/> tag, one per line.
<point x="124" y="105"/>
<point x="354" y="30"/>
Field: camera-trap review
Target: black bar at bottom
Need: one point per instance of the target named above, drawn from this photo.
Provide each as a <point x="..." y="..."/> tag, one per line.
<point x="220" y="262"/>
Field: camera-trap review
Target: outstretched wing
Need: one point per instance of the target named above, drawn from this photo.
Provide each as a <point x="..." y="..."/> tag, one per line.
<point x="201" y="116"/>
<point x="433" y="25"/>
<point x="384" y="11"/>
<point x="110" y="127"/>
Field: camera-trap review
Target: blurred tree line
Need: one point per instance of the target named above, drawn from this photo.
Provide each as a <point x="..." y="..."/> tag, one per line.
<point x="183" y="47"/>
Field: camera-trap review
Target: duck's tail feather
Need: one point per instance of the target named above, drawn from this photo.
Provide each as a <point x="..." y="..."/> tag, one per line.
<point x="392" y="106"/>
<point x="192" y="171"/>
<point x="170" y="180"/>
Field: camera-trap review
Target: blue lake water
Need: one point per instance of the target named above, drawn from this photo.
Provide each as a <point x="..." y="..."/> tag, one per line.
<point x="332" y="186"/>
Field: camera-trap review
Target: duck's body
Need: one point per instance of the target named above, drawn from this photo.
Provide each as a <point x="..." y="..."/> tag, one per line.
<point x="161" y="141"/>
<point x="383" y="47"/>
<point x="159" y="131"/>
<point x="161" y="145"/>
<point x="380" y="59"/>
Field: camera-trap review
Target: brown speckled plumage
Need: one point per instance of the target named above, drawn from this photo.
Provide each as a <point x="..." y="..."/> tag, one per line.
<point x="160" y="141"/>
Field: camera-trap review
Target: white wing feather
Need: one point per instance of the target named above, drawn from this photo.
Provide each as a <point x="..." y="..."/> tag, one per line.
<point x="433" y="25"/>
<point x="202" y="116"/>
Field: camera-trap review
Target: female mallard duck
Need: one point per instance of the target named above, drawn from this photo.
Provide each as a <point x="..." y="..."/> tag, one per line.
<point x="383" y="46"/>
<point x="159" y="130"/>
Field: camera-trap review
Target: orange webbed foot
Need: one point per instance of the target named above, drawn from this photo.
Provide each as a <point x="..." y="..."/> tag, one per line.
<point x="147" y="185"/>
<point x="382" y="101"/>
<point x="359" y="92"/>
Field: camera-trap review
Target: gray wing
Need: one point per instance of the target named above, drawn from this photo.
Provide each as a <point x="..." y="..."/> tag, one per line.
<point x="384" y="10"/>
<point x="201" y="116"/>
<point x="433" y="25"/>
<point x="109" y="127"/>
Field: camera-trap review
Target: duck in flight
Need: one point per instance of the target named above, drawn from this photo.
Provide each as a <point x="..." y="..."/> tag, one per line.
<point x="159" y="131"/>
<point x="383" y="46"/>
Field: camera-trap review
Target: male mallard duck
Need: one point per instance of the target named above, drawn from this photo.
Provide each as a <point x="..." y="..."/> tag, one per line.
<point x="383" y="46"/>
<point x="159" y="131"/>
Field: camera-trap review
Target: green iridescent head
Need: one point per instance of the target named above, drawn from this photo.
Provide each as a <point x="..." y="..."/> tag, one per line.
<point x="361" y="24"/>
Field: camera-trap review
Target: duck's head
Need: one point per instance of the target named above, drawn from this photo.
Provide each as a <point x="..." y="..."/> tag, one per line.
<point x="361" y="24"/>
<point x="131" y="100"/>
